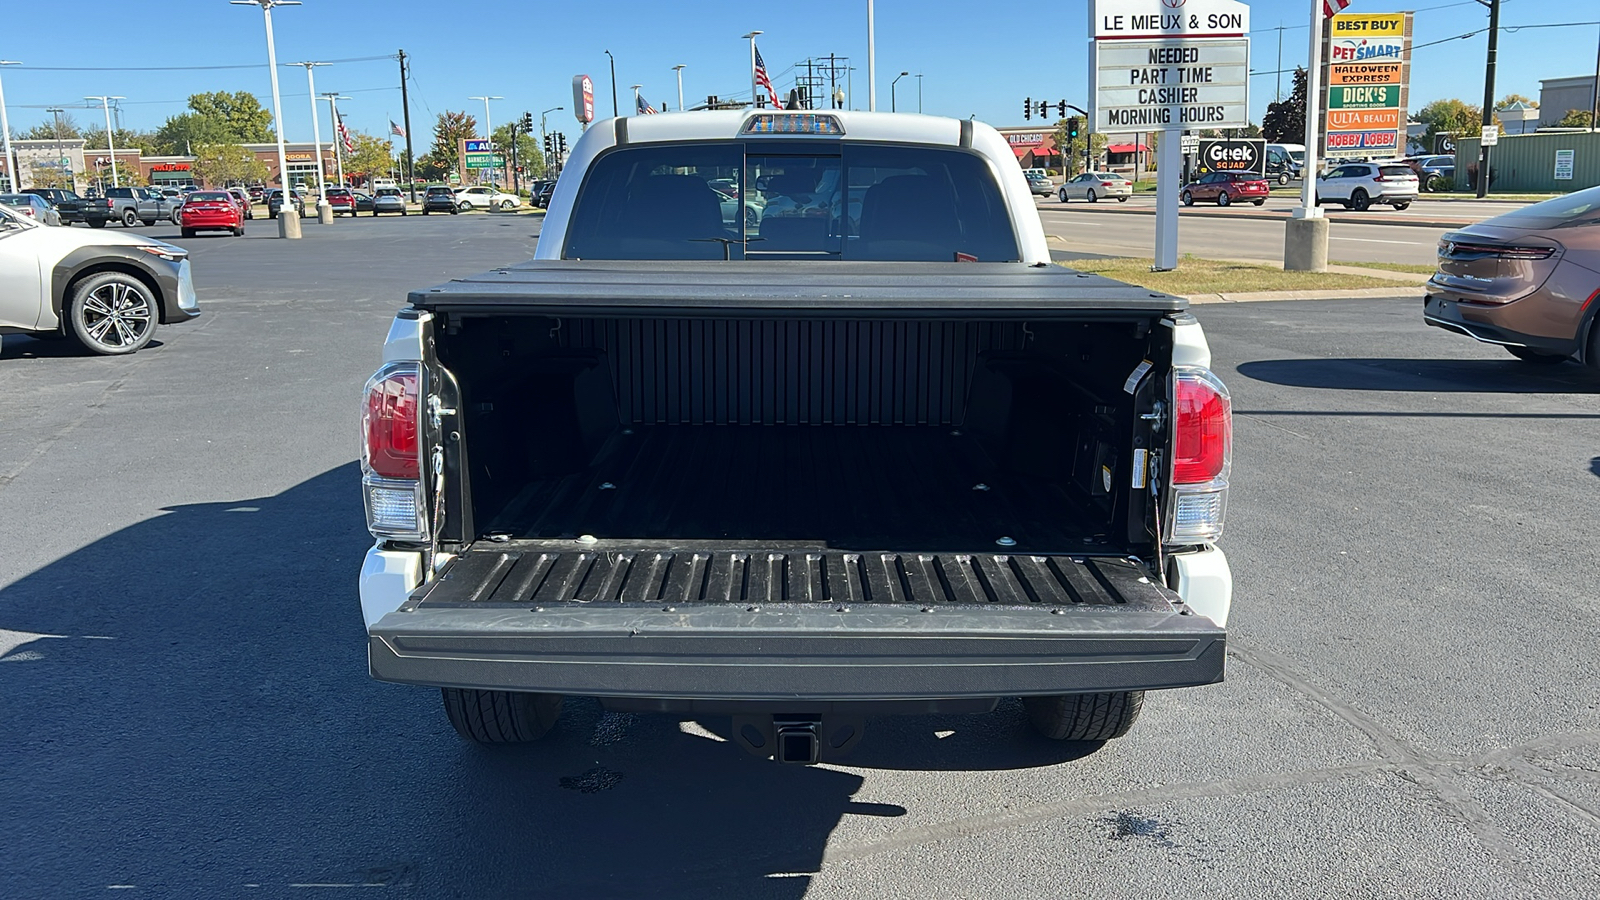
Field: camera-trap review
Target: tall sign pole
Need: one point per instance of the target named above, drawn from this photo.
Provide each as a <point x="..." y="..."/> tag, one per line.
<point x="1305" y="235"/>
<point x="1166" y="66"/>
<point x="405" y="107"/>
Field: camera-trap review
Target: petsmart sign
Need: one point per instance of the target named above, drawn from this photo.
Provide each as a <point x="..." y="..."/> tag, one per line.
<point x="1368" y="63"/>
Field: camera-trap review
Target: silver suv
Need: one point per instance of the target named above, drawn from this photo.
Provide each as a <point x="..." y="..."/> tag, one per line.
<point x="1359" y="185"/>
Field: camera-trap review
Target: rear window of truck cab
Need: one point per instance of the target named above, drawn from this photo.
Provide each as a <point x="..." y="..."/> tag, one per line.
<point x="762" y="199"/>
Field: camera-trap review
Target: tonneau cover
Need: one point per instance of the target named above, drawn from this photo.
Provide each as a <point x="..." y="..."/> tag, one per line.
<point x="789" y="288"/>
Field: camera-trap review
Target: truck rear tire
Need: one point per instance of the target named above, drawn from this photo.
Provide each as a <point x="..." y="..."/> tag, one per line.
<point x="500" y="717"/>
<point x="1084" y="717"/>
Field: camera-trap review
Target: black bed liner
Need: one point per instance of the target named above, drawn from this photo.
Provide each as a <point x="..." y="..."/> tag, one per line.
<point x="551" y="573"/>
<point x="789" y="287"/>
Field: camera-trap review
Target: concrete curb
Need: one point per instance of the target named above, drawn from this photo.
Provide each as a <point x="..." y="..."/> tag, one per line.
<point x="1398" y="291"/>
<point x="1279" y="216"/>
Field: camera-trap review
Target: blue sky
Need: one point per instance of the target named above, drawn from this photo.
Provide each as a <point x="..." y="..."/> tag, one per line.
<point x="975" y="59"/>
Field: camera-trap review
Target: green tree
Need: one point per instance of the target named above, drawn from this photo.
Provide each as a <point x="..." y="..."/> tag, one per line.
<point x="180" y="134"/>
<point x="220" y="165"/>
<point x="528" y="153"/>
<point x="1575" y="118"/>
<point x="448" y="132"/>
<point x="1448" y="116"/>
<point x="239" y="115"/>
<point x="370" y="157"/>
<point x="1285" y="121"/>
<point x="1507" y="100"/>
<point x="144" y="141"/>
<point x="46" y="130"/>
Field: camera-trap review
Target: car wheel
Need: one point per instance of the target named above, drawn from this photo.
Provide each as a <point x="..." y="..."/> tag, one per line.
<point x="1188" y="199"/>
<point x="1537" y="357"/>
<point x="454" y="211"/>
<point x="752" y="219"/>
<point x="112" y="313"/>
<point x="1359" y="201"/>
<point x="1084" y="717"/>
<point x="239" y="232"/>
<point x="1258" y="202"/>
<point x="188" y="232"/>
<point x="1063" y="195"/>
<point x="130" y="219"/>
<point x="1283" y="177"/>
<point x="1122" y="199"/>
<point x="402" y="212"/>
<point x="176" y="218"/>
<point x="505" y="205"/>
<point x="424" y="211"/>
<point x="500" y="717"/>
<point x="1223" y="199"/>
<point x="1091" y="197"/>
<point x="1400" y="206"/>
<point x="95" y="223"/>
<point x="272" y="215"/>
<point x="463" y="206"/>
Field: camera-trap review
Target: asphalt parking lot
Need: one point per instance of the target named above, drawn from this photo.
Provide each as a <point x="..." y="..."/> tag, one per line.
<point x="1410" y="710"/>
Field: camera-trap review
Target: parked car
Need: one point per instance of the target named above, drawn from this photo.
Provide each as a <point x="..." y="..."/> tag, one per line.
<point x="440" y="198"/>
<point x="106" y="291"/>
<point x="342" y="201"/>
<point x="864" y="481"/>
<point x="1091" y="186"/>
<point x="541" y="197"/>
<point x="482" y="196"/>
<point x="33" y="206"/>
<point x="275" y="203"/>
<point x="129" y="205"/>
<point x="1432" y="171"/>
<point x="1360" y="185"/>
<point x="258" y="193"/>
<point x="1039" y="184"/>
<point x="389" y="200"/>
<point x="1226" y="188"/>
<point x="1528" y="280"/>
<point x="363" y="201"/>
<point x="212" y="211"/>
<point x="242" y="197"/>
<point x="69" y="206"/>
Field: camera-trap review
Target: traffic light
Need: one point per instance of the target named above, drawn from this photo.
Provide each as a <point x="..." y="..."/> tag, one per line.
<point x="1072" y="128"/>
<point x="1044" y="108"/>
<point x="549" y="145"/>
<point x="527" y="123"/>
<point x="561" y="143"/>
<point x="1027" y="108"/>
<point x="1061" y="108"/>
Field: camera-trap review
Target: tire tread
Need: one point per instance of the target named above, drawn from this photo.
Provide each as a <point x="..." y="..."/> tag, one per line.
<point x="1084" y="717"/>
<point x="500" y="717"/>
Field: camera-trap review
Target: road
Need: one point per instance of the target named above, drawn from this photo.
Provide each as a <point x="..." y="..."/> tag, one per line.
<point x="1410" y="708"/>
<point x="1091" y="230"/>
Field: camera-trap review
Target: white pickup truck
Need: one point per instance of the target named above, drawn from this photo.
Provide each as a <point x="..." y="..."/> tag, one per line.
<point x="791" y="419"/>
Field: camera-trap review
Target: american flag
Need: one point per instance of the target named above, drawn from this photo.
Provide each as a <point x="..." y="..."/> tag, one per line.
<point x="644" y="107"/>
<point x="763" y="81"/>
<point x="396" y="130"/>
<point x="1331" y="8"/>
<point x="344" y="135"/>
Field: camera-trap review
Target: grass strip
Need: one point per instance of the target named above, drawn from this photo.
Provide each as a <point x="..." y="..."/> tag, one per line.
<point x="1210" y="276"/>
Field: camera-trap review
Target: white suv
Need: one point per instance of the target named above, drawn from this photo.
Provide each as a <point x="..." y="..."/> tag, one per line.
<point x="1359" y="185"/>
<point x="484" y="197"/>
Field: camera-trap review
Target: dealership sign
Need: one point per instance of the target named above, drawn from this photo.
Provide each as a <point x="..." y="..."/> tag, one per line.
<point x="1368" y="61"/>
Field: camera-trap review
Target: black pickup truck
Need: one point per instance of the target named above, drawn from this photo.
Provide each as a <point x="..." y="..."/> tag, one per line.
<point x="68" y="204"/>
<point x="802" y="472"/>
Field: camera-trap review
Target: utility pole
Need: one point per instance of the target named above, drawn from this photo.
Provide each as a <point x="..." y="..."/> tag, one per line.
<point x="1488" y="94"/>
<point x="833" y="83"/>
<point x="1594" y="105"/>
<point x="405" y="106"/>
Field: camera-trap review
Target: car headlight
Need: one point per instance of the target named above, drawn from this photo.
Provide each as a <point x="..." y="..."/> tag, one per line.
<point x="166" y="252"/>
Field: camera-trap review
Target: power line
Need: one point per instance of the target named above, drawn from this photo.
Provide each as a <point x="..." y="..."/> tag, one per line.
<point x="354" y="59"/>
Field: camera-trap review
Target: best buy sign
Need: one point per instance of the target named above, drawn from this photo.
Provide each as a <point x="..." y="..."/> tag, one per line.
<point x="1364" y="96"/>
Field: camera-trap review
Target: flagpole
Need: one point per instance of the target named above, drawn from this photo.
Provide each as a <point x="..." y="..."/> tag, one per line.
<point x="755" y="98"/>
<point x="636" y="97"/>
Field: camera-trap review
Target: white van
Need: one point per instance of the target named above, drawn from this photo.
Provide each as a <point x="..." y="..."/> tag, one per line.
<point x="1285" y="161"/>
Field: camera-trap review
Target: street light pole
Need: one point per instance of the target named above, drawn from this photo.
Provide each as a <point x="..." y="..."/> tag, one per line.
<point x="288" y="225"/>
<point x="12" y="182"/>
<point x="324" y="210"/>
<point x="55" y="113"/>
<point x="1488" y="94"/>
<point x="613" y="83"/>
<point x="679" y="69"/>
<point x="892" y="104"/>
<point x="919" y="92"/>
<point x="111" y="147"/>
<point x="872" y="62"/>
<point x="488" y="128"/>
<point x="755" y="100"/>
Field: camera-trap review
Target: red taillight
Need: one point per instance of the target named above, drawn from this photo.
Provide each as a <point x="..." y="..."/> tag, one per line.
<point x="1202" y="428"/>
<point x="390" y="420"/>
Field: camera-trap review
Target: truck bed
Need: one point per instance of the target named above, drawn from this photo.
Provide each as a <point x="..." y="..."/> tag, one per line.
<point x="787" y="288"/>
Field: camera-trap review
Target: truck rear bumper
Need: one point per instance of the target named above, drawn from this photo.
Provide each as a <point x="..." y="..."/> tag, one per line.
<point x="849" y="646"/>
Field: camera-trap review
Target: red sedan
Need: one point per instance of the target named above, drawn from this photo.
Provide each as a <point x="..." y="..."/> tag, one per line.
<point x="342" y="201"/>
<point x="212" y="211"/>
<point x="1226" y="188"/>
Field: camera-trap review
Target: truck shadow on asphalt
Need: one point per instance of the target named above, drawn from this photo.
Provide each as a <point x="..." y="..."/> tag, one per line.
<point x="17" y="346"/>
<point x="188" y="710"/>
<point x="1478" y="376"/>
